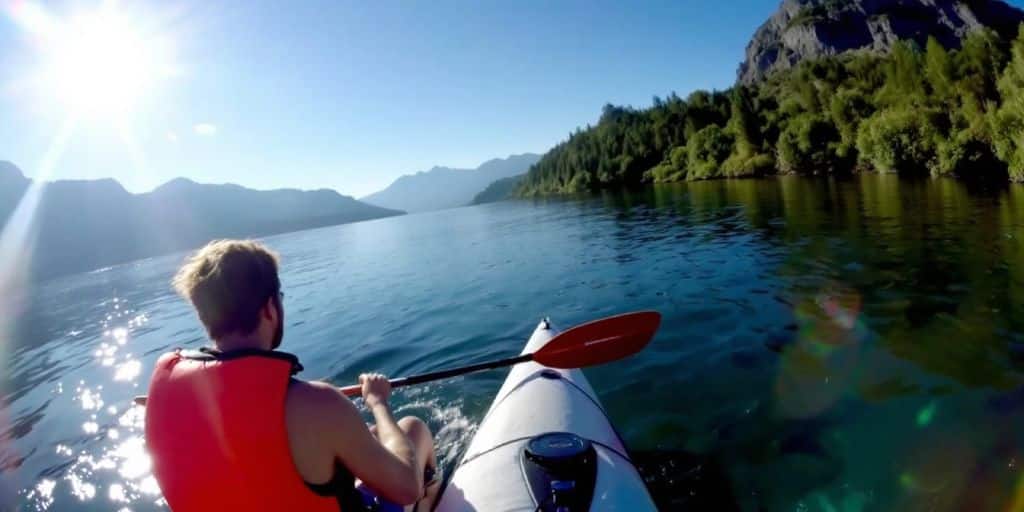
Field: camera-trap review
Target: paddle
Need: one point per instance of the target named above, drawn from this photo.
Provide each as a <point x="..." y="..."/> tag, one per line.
<point x="589" y="344"/>
<point x="593" y="343"/>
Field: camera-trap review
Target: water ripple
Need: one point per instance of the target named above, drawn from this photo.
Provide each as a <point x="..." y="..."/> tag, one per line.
<point x="823" y="342"/>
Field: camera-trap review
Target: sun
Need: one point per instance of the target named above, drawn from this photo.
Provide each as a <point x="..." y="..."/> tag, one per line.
<point x="101" y="64"/>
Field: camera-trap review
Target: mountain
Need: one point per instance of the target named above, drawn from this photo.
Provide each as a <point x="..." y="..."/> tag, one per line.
<point x="499" y="190"/>
<point x="84" y="225"/>
<point x="12" y="186"/>
<point x="193" y="212"/>
<point x="444" y="187"/>
<point x="805" y="29"/>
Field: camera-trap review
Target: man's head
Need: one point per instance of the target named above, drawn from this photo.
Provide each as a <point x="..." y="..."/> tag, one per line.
<point x="234" y="287"/>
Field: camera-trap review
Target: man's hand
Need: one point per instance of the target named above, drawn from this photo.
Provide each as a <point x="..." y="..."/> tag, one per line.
<point x="376" y="389"/>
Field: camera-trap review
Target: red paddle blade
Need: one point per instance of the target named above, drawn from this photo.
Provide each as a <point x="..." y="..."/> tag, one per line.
<point x="600" y="341"/>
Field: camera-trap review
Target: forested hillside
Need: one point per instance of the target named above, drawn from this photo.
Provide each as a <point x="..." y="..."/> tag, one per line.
<point x="499" y="190"/>
<point x="915" y="110"/>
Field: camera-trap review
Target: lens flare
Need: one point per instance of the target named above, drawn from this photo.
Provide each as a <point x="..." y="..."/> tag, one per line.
<point x="926" y="415"/>
<point x="819" y="368"/>
<point x="937" y="469"/>
<point x="1017" y="505"/>
<point x="97" y="64"/>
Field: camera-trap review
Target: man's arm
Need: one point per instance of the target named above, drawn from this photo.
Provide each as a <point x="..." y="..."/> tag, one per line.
<point x="322" y="418"/>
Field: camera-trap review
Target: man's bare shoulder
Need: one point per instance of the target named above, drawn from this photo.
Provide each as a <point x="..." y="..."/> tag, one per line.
<point x="318" y="402"/>
<point x="319" y="419"/>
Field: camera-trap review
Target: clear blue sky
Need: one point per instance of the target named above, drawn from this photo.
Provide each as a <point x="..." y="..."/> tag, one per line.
<point x="351" y="94"/>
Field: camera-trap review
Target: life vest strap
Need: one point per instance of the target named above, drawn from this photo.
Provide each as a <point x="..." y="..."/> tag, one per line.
<point x="212" y="354"/>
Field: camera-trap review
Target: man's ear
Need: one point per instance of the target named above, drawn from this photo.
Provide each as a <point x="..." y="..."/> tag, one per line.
<point x="269" y="310"/>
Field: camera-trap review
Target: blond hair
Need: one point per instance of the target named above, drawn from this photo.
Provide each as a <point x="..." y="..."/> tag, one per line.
<point x="228" y="282"/>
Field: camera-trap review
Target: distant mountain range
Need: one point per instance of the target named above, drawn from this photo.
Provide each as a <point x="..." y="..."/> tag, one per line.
<point x="84" y="225"/>
<point x="444" y="187"/>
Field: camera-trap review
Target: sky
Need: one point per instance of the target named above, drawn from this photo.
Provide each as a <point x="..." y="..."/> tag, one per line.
<point x="336" y="93"/>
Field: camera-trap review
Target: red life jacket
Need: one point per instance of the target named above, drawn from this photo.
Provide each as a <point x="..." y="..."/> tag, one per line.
<point x="215" y="429"/>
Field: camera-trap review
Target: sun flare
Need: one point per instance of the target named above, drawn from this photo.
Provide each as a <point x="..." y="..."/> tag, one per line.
<point x="101" y="64"/>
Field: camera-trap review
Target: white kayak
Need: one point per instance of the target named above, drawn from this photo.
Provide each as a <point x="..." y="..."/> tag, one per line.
<point x="545" y="444"/>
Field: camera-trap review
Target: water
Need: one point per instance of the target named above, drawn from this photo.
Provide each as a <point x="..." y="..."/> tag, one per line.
<point x="826" y="345"/>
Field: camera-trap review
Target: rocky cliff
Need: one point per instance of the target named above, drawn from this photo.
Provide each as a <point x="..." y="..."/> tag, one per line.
<point x="802" y="29"/>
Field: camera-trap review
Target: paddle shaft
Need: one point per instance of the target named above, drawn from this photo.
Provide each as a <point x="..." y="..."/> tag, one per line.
<point x="597" y="342"/>
<point x="356" y="389"/>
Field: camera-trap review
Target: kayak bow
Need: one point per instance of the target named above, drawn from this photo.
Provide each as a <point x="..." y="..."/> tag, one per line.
<point x="544" y="444"/>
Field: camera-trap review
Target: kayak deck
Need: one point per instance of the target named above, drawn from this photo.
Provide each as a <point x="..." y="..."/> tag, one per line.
<point x="536" y="400"/>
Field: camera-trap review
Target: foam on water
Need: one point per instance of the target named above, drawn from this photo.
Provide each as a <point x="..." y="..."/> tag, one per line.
<point x="452" y="429"/>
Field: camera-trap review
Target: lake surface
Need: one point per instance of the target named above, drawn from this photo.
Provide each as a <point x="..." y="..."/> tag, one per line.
<point x="827" y="345"/>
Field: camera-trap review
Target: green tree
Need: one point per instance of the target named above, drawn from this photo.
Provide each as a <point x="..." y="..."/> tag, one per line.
<point x="673" y="168"/>
<point x="808" y="145"/>
<point x="899" y="140"/>
<point x="966" y="154"/>
<point x="746" y="158"/>
<point x="849" y="106"/>
<point x="904" y="84"/>
<point x="706" y="151"/>
<point x="1008" y="121"/>
<point x="979" y="64"/>
<point x="938" y="70"/>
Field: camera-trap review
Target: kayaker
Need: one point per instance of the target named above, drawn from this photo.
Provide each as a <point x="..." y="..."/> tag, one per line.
<point x="231" y="428"/>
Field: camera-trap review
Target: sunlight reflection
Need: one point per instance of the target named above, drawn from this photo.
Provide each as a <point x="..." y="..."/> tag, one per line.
<point x="113" y="467"/>
<point x="134" y="418"/>
<point x="134" y="461"/>
<point x="90" y="400"/>
<point x="128" y="371"/>
<point x="116" y="493"/>
<point x="127" y="458"/>
<point x="149" y="486"/>
<point x="45" y="490"/>
<point x="17" y="241"/>
<point x="81" y="489"/>
<point x="120" y="335"/>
